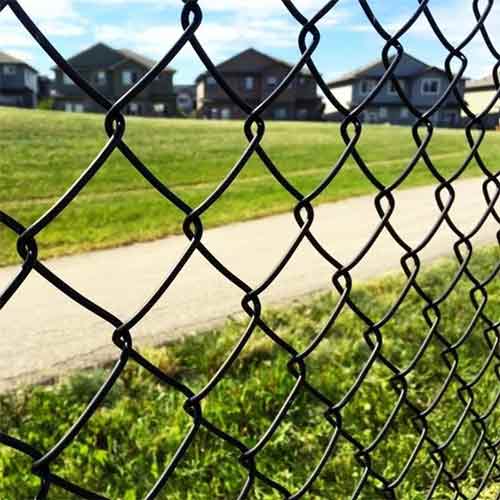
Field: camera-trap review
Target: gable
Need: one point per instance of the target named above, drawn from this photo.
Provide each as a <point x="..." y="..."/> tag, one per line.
<point x="129" y="57"/>
<point x="98" y="55"/>
<point x="249" y="61"/>
<point x="407" y="66"/>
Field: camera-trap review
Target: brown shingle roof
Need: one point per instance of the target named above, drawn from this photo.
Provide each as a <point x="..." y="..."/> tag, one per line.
<point x="250" y="60"/>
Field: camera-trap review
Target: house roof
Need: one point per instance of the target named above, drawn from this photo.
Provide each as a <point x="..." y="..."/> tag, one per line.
<point x="408" y="66"/>
<point x="485" y="83"/>
<point x="9" y="59"/>
<point x="142" y="60"/>
<point x="104" y="56"/>
<point x="250" y="60"/>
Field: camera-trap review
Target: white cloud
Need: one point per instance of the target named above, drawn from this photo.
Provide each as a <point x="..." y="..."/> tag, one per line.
<point x="446" y="14"/>
<point x="56" y="9"/>
<point x="227" y="27"/>
<point x="480" y="61"/>
<point x="221" y="34"/>
<point x="260" y="6"/>
<point x="263" y="7"/>
<point x="23" y="55"/>
<point x="218" y="39"/>
<point x="61" y="19"/>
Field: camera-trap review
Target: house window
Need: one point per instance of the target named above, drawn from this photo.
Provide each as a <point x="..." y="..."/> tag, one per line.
<point x="134" y="108"/>
<point x="249" y="82"/>
<point x="366" y="86"/>
<point x="225" y="113"/>
<point x="272" y="81"/>
<point x="30" y="79"/>
<point x="160" y="108"/>
<point x="280" y="113"/>
<point x="405" y="113"/>
<point x="67" y="80"/>
<point x="211" y="80"/>
<point x="129" y="77"/>
<point x="100" y="77"/>
<point x="431" y="86"/>
<point x="383" y="113"/>
<point x="70" y="107"/>
<point x="9" y="70"/>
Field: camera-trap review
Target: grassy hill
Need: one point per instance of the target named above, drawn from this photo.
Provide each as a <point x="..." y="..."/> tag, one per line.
<point x="43" y="152"/>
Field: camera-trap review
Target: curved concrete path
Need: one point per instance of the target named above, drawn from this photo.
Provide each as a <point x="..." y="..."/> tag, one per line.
<point x="44" y="334"/>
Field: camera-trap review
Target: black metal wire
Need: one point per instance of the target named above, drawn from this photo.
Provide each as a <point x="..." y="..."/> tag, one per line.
<point x="385" y="205"/>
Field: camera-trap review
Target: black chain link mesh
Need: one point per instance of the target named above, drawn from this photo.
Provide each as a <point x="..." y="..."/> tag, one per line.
<point x="351" y="130"/>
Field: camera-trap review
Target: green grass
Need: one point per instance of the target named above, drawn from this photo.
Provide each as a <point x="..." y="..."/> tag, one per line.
<point x="44" y="152"/>
<point x="129" y="441"/>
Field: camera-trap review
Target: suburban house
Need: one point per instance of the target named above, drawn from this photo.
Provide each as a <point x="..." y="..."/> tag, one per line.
<point x="423" y="84"/>
<point x="18" y="82"/>
<point x="186" y="98"/>
<point x="478" y="95"/>
<point x="254" y="76"/>
<point x="113" y="72"/>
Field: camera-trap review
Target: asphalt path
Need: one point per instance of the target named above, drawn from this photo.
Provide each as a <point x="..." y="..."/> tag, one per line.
<point x="43" y="334"/>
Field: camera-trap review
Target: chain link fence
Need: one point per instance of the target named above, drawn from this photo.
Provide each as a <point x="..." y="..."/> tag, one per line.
<point x="483" y="423"/>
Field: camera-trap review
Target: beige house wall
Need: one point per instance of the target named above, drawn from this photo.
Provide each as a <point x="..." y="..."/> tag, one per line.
<point x="478" y="101"/>
<point x="200" y="94"/>
<point x="344" y="96"/>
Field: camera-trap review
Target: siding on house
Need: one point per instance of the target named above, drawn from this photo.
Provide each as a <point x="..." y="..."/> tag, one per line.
<point x="18" y="82"/>
<point x="479" y="95"/>
<point x="343" y="95"/>
<point x="254" y="76"/>
<point x="478" y="101"/>
<point x="422" y="83"/>
<point x="113" y="72"/>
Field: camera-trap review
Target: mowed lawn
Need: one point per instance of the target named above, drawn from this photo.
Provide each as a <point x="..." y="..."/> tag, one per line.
<point x="42" y="153"/>
<point x="130" y="440"/>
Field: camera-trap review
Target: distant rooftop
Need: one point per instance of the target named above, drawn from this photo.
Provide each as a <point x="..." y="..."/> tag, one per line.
<point x="9" y="59"/>
<point x="251" y="60"/>
<point x="101" y="54"/>
<point x="408" y="66"/>
<point x="140" y="59"/>
<point x="482" y="83"/>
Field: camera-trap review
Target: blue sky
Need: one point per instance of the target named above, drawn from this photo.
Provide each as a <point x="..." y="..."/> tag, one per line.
<point x="152" y="26"/>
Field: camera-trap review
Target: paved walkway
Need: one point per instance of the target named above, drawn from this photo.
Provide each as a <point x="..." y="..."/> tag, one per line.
<point x="44" y="334"/>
